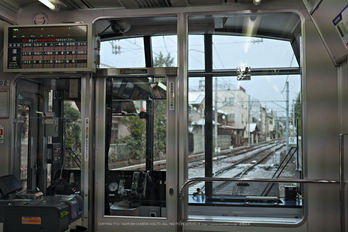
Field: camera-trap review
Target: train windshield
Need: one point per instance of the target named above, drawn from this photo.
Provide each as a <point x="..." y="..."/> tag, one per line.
<point x="244" y="98"/>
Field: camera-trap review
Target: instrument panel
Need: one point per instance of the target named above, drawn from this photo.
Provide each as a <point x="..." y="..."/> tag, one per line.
<point x="118" y="181"/>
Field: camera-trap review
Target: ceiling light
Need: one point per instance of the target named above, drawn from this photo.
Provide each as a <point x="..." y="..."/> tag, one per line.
<point x="50" y="5"/>
<point x="257" y="2"/>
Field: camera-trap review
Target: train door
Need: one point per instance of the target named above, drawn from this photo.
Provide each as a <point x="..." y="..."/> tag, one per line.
<point x="135" y="149"/>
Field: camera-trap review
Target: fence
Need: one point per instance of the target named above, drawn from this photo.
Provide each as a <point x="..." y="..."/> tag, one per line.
<point x="118" y="152"/>
<point x="224" y="142"/>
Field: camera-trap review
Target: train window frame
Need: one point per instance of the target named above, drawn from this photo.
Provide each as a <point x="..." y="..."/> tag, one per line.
<point x="212" y="72"/>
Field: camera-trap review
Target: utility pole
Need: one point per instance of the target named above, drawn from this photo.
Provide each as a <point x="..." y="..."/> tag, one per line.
<point x="293" y="118"/>
<point x="287" y="117"/>
<point x="248" y="121"/>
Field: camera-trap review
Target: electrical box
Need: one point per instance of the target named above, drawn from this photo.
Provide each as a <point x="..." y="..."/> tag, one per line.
<point x="290" y="193"/>
<point x="51" y="215"/>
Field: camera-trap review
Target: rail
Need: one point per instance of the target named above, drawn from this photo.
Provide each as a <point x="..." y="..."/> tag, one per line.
<point x="341" y="183"/>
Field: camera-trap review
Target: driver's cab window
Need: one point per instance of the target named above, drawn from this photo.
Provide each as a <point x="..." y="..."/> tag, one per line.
<point x="136" y="160"/>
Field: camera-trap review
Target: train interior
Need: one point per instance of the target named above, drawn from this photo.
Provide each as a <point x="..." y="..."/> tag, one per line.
<point x="173" y="115"/>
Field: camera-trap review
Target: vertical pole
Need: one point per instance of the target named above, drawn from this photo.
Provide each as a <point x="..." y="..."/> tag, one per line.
<point x="248" y="121"/>
<point x="87" y="160"/>
<point x="208" y="42"/>
<point x="342" y="184"/>
<point x="149" y="109"/>
<point x="215" y="117"/>
<point x="293" y="118"/>
<point x="181" y="135"/>
<point x="149" y="134"/>
<point x="287" y="117"/>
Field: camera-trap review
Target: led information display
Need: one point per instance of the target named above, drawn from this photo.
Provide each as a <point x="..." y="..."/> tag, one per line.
<point x="41" y="48"/>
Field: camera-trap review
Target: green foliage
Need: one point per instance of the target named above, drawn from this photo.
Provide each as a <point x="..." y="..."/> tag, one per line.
<point x="160" y="119"/>
<point x="163" y="61"/>
<point x="137" y="127"/>
<point x="160" y="129"/>
<point x="136" y="140"/>
<point x="72" y="128"/>
<point x="298" y="110"/>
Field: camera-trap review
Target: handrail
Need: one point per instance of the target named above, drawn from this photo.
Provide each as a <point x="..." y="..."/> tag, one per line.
<point x="302" y="181"/>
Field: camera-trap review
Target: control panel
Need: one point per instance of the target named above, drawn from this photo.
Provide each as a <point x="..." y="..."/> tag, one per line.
<point x="151" y="186"/>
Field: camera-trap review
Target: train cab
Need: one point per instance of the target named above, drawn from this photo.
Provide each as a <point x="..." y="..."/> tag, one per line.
<point x="172" y="115"/>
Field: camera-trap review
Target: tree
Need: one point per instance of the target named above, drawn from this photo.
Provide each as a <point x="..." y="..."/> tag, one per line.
<point x="161" y="61"/>
<point x="298" y="106"/>
<point x="298" y="111"/>
<point x="136" y="140"/>
<point x="137" y="127"/>
<point x="71" y="133"/>
<point x="72" y="127"/>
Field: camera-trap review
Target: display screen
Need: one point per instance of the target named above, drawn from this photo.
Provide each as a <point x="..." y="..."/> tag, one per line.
<point x="48" y="47"/>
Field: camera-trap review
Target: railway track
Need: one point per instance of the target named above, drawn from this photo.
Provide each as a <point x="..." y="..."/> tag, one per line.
<point x="225" y="155"/>
<point x="197" y="160"/>
<point x="256" y="157"/>
<point x="261" y="157"/>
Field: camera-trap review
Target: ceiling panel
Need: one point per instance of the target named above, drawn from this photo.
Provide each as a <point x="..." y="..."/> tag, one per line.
<point x="323" y="18"/>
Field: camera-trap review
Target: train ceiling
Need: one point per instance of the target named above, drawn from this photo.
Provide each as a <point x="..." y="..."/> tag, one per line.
<point x="279" y="26"/>
<point x="126" y="4"/>
<point x="276" y="25"/>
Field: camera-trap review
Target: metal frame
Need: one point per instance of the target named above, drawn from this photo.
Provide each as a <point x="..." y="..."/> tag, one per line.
<point x="208" y="112"/>
<point x="342" y="184"/>
<point x="253" y="72"/>
<point x="87" y="144"/>
<point x="182" y="101"/>
<point x="171" y="178"/>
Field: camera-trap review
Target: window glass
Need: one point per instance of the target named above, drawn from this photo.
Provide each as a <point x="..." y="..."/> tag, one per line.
<point x="230" y="52"/>
<point x="164" y="50"/>
<point x="23" y="127"/>
<point x="72" y="135"/>
<point x="196" y="52"/>
<point x="122" y="53"/>
<point x="248" y="115"/>
<point x="240" y="128"/>
<point x="138" y="111"/>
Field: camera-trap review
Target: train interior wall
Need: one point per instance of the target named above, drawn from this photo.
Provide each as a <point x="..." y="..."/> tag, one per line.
<point x="324" y="113"/>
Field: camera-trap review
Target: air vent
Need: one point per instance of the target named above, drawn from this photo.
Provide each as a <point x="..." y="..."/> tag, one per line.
<point x="136" y="4"/>
<point x="77" y="4"/>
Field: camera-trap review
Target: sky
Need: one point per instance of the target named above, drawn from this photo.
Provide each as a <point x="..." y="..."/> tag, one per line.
<point x="229" y="52"/>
